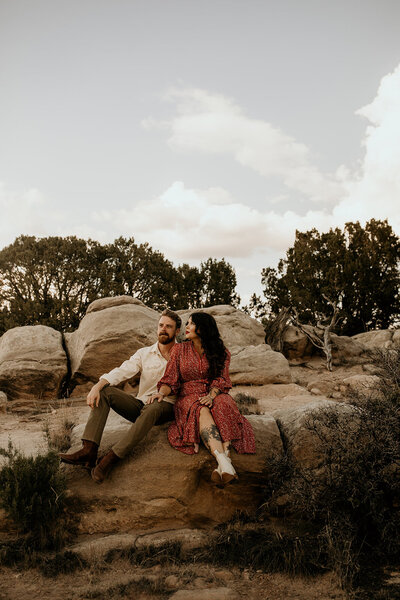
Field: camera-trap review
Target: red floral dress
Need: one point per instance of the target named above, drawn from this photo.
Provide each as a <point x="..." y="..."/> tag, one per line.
<point x="186" y="375"/>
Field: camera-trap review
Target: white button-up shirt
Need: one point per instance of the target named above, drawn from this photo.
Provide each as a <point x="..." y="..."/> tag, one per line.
<point x="150" y="363"/>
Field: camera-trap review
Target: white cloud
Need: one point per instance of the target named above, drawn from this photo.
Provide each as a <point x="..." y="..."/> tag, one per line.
<point x="212" y="123"/>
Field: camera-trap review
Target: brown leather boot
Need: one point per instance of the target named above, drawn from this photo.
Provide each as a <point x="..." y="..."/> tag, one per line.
<point x="104" y="466"/>
<point x="85" y="457"/>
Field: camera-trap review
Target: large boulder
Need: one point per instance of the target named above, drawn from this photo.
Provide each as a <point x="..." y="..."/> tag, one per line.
<point x="299" y="428"/>
<point x="295" y="343"/>
<point x="258" y="365"/>
<point x="375" y="339"/>
<point x="347" y="350"/>
<point x="102" y="303"/>
<point x="107" y="337"/>
<point x="235" y="326"/>
<point x="33" y="363"/>
<point x="161" y="487"/>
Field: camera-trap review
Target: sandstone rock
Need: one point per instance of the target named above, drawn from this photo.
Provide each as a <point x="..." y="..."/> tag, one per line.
<point x="257" y="365"/>
<point x="103" y="303"/>
<point x="361" y="383"/>
<point x="303" y="443"/>
<point x="296" y="345"/>
<point x="346" y="350"/>
<point x="396" y="339"/>
<point x="189" y="539"/>
<point x="223" y="593"/>
<point x="235" y="326"/>
<point x="105" y="338"/>
<point x="33" y="363"/>
<point x="3" y="402"/>
<point x="375" y="339"/>
<point x="269" y="390"/>
<point x="99" y="548"/>
<point x="161" y="487"/>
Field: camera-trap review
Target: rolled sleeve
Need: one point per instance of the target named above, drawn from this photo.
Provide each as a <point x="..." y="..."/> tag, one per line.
<point x="128" y="369"/>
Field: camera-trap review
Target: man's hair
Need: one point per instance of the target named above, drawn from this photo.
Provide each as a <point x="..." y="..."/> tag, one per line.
<point x="172" y="315"/>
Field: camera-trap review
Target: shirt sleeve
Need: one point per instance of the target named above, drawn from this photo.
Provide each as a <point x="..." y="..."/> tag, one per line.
<point x="223" y="382"/>
<point x="128" y="369"/>
<point x="172" y="375"/>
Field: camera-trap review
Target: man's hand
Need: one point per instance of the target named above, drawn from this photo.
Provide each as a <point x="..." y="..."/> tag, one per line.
<point x="206" y="400"/>
<point x="159" y="397"/>
<point x="93" y="397"/>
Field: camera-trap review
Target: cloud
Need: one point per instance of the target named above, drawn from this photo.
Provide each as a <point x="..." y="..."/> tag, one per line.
<point x="213" y="124"/>
<point x="374" y="191"/>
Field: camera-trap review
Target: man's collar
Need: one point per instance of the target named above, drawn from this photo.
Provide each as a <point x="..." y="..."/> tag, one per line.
<point x="155" y="348"/>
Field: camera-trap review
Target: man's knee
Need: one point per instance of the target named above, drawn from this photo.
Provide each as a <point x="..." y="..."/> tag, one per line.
<point x="157" y="411"/>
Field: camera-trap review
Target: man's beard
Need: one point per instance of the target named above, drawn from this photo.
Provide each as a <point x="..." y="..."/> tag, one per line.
<point x="164" y="339"/>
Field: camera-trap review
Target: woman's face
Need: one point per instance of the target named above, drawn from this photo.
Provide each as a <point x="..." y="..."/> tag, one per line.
<point x="190" y="330"/>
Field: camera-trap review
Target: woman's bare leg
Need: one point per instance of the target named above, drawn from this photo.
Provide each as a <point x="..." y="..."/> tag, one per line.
<point x="209" y="432"/>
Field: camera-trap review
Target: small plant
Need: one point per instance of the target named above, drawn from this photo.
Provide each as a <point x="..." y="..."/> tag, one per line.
<point x="244" y="402"/>
<point x="33" y="495"/>
<point x="59" y="437"/>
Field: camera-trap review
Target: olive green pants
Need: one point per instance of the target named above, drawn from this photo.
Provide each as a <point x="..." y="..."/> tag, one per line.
<point x="143" y="417"/>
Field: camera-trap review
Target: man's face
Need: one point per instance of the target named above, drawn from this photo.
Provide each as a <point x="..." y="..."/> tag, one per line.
<point x="167" y="330"/>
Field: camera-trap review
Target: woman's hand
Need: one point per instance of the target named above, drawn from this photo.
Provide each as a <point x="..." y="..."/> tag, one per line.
<point x="206" y="400"/>
<point x="159" y="397"/>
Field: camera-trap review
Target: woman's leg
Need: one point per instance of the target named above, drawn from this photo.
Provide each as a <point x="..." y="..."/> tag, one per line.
<point x="209" y="431"/>
<point x="225" y="473"/>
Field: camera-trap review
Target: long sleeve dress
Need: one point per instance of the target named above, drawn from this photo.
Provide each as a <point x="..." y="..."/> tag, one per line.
<point x="186" y="375"/>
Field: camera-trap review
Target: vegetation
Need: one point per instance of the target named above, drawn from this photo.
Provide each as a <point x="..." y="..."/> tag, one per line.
<point x="33" y="495"/>
<point x="356" y="269"/>
<point x="51" y="281"/>
<point x="353" y="497"/>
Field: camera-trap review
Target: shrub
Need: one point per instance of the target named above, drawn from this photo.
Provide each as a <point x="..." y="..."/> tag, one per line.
<point x="353" y="497"/>
<point x="33" y="494"/>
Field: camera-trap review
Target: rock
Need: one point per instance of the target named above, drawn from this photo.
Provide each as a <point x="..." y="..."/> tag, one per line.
<point x="107" y="337"/>
<point x="33" y="363"/>
<point x="103" y="303"/>
<point x="375" y="339"/>
<point x="223" y="593"/>
<point x="271" y="397"/>
<point x="172" y="582"/>
<point x="296" y="345"/>
<point x="3" y="402"/>
<point x="99" y="548"/>
<point x="235" y="326"/>
<point x="361" y="383"/>
<point x="258" y="365"/>
<point x="161" y="487"/>
<point x="304" y="444"/>
<point x="189" y="539"/>
<point x="396" y="339"/>
<point x="346" y="350"/>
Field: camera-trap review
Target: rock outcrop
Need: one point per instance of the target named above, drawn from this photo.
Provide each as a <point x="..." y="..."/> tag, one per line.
<point x="33" y="363"/>
<point x="162" y="487"/>
<point x="258" y="365"/>
<point x="108" y="336"/>
<point x="235" y="326"/>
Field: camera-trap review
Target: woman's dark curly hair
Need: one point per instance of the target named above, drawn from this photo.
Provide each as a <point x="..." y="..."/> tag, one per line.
<point x="214" y="349"/>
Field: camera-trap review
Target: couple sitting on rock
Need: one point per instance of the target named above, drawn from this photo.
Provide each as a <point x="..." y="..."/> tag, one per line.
<point x="187" y="382"/>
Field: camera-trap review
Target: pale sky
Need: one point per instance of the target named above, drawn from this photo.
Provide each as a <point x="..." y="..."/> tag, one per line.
<point x="213" y="128"/>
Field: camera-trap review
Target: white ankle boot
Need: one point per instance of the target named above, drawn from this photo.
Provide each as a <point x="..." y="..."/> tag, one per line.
<point x="225" y="473"/>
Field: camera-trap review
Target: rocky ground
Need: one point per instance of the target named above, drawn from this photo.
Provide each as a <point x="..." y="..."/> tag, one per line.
<point x="30" y="425"/>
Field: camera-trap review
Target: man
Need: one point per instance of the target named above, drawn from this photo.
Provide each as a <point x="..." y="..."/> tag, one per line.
<point x="142" y="411"/>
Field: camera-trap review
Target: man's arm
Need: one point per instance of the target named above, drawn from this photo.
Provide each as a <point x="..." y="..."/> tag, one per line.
<point x="128" y="369"/>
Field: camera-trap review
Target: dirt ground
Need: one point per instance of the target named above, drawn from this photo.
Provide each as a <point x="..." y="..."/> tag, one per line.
<point x="122" y="580"/>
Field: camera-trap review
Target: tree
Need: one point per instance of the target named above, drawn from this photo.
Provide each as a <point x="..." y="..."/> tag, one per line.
<point x="49" y="281"/>
<point x="219" y="283"/>
<point x="357" y="269"/>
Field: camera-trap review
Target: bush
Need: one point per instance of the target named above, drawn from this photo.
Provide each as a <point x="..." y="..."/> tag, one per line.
<point x="33" y="494"/>
<point x="353" y="497"/>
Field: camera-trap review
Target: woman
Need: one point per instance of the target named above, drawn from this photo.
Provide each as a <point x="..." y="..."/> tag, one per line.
<point x="198" y="373"/>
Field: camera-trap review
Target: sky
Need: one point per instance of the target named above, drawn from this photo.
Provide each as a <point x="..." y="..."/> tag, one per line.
<point x="213" y="128"/>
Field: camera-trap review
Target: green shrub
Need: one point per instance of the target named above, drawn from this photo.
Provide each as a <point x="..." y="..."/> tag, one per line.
<point x="33" y="494"/>
<point x="353" y="497"/>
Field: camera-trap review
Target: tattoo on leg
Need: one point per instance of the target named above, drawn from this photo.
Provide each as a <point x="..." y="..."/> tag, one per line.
<point x="209" y="433"/>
